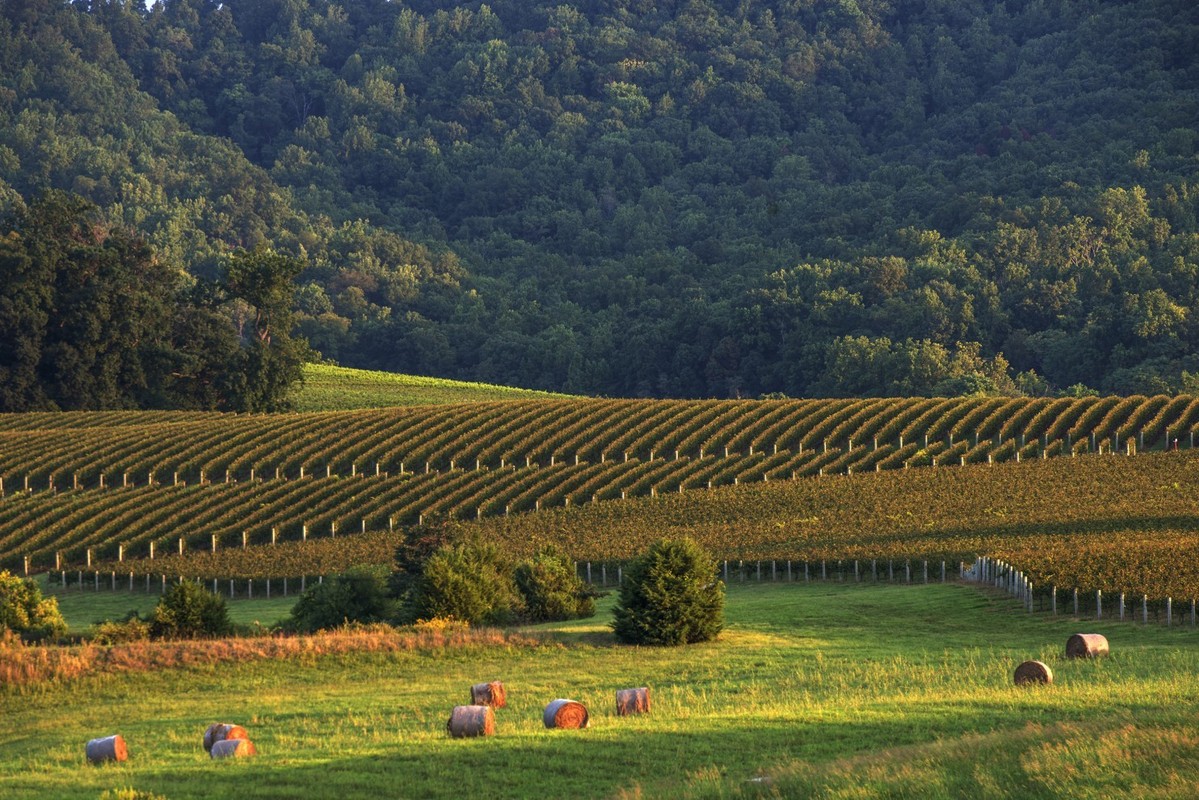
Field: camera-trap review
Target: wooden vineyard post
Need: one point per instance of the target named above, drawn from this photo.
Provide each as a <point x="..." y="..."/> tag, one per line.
<point x="245" y="539"/>
<point x="1098" y="604"/>
<point x="214" y="547"/>
<point x="1169" y="611"/>
<point x="1121" y="606"/>
<point x="180" y="545"/>
<point x="726" y="571"/>
<point x="274" y="536"/>
<point x="1145" y="609"/>
<point x="1053" y="599"/>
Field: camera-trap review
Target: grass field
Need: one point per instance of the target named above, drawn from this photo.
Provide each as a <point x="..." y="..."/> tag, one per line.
<point x="329" y="388"/>
<point x="823" y="690"/>
<point x="82" y="609"/>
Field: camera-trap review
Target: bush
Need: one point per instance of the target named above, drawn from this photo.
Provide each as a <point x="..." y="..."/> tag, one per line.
<point x="358" y="595"/>
<point x="550" y="589"/>
<point x="189" y="611"/>
<point x="670" y="596"/>
<point x="468" y="582"/>
<point x="24" y="611"/>
<point x="131" y="629"/>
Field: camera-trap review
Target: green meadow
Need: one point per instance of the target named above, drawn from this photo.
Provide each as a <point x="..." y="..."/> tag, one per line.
<point x="331" y="388"/>
<point x="824" y="690"/>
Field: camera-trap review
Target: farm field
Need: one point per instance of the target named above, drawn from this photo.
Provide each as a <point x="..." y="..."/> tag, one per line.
<point x="820" y="690"/>
<point x="331" y="388"/>
<point x="93" y="489"/>
<point x="1092" y="522"/>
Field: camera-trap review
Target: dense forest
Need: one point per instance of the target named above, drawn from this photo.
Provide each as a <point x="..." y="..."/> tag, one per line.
<point x="625" y="197"/>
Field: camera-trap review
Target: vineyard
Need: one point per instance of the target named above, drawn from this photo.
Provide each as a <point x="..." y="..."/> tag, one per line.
<point x="97" y="488"/>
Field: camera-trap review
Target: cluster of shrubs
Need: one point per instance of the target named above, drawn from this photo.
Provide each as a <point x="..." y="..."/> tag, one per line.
<point x="470" y="582"/>
<point x="669" y="596"/>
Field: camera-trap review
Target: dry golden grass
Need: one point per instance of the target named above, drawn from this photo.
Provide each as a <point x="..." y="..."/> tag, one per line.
<point x="24" y="664"/>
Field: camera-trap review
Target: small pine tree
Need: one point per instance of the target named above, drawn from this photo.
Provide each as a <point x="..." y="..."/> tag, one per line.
<point x="670" y="596"/>
<point x="550" y="588"/>
<point x="189" y="611"/>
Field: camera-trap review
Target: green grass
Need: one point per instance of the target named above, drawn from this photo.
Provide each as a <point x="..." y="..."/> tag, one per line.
<point x="329" y="388"/>
<point x="82" y="609"/>
<point x="827" y="690"/>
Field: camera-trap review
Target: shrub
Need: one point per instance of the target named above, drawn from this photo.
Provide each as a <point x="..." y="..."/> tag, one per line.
<point x="189" y="611"/>
<point x="358" y="595"/>
<point x="550" y="589"/>
<point x="24" y="611"/>
<point x="670" y="596"/>
<point x="468" y="582"/>
<point x="131" y="629"/>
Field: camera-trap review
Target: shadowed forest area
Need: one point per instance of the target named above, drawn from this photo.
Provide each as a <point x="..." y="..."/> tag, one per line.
<point x="688" y="199"/>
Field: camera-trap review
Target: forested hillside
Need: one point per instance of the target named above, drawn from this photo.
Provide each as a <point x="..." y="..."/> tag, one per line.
<point x="622" y="197"/>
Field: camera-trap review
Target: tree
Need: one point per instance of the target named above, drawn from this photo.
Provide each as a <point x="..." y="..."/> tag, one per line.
<point x="271" y="361"/>
<point x="468" y="582"/>
<point x="551" y="589"/>
<point x="670" y="596"/>
<point x="358" y="595"/>
<point x="25" y="612"/>
<point x="189" y="611"/>
<point x="85" y="309"/>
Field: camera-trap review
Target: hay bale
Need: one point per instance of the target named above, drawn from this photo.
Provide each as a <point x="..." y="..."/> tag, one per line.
<point x="632" y="701"/>
<point x="233" y="748"/>
<point x="220" y="731"/>
<point x="565" y="714"/>
<point x="489" y="694"/>
<point x="1033" y="672"/>
<point x="107" y="748"/>
<point x="467" y="721"/>
<point x="1086" y="645"/>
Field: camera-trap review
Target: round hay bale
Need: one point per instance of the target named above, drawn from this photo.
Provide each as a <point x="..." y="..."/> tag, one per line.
<point x="220" y="731"/>
<point x="1033" y="672"/>
<point x="107" y="748"/>
<point x="489" y="694"/>
<point x="1086" y="645"/>
<point x="632" y="701"/>
<point x="565" y="714"/>
<point x="467" y="721"/>
<point x="233" y="748"/>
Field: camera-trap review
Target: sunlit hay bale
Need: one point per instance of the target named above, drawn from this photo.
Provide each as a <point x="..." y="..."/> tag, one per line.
<point x="108" y="748"/>
<point x="221" y="731"/>
<point x="489" y="694"/>
<point x="632" y="701"/>
<point x="469" y="721"/>
<point x="1086" y="645"/>
<point x="1033" y="672"/>
<point x="233" y="748"/>
<point x="565" y="714"/>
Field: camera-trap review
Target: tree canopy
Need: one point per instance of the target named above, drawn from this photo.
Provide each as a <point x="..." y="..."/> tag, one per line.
<point x="668" y="199"/>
